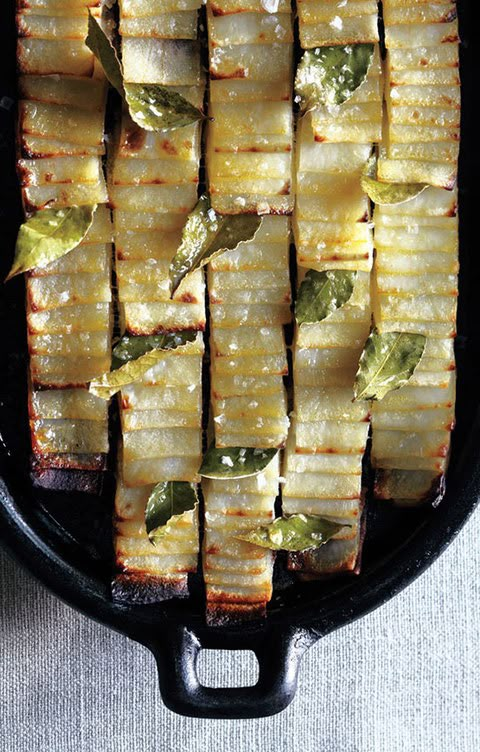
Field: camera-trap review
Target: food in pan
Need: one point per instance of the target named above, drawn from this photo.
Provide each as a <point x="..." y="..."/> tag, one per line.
<point x="61" y="142"/>
<point x="263" y="320"/>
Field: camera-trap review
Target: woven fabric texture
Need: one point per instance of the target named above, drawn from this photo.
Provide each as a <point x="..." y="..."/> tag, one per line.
<point x="403" y="679"/>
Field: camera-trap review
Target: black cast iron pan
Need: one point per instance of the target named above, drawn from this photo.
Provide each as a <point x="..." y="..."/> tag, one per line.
<point x="65" y="539"/>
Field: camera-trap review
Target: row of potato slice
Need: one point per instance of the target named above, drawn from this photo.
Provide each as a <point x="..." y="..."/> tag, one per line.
<point x="153" y="187"/>
<point x="249" y="148"/>
<point x="63" y="94"/>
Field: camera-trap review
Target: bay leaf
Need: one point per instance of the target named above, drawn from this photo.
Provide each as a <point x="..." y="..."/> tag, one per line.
<point x="387" y="363"/>
<point x="159" y="108"/>
<point x="99" y="43"/>
<point x="168" y="502"/>
<point x="297" y="532"/>
<point x="387" y="193"/>
<point x="48" y="235"/>
<point x="235" y="462"/>
<point x="133" y="370"/>
<point x="208" y="234"/>
<point x="132" y="347"/>
<point x="151" y="106"/>
<point x="322" y="293"/>
<point x="330" y="75"/>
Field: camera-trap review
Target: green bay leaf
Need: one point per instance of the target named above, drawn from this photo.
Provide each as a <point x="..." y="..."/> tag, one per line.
<point x="208" y="234"/>
<point x="387" y="363"/>
<point x="133" y="347"/>
<point x="322" y="293"/>
<point x="167" y="504"/>
<point x="330" y="75"/>
<point x="235" y="462"/>
<point x="159" y="108"/>
<point x="298" y="532"/>
<point x="387" y="193"/>
<point x="151" y="106"/>
<point x="134" y="368"/>
<point x="98" y="42"/>
<point x="48" y="235"/>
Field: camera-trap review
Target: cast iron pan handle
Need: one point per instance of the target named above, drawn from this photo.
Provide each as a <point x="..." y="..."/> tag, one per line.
<point x="278" y="651"/>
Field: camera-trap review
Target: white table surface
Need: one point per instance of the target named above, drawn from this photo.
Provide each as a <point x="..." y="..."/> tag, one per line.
<point x="404" y="679"/>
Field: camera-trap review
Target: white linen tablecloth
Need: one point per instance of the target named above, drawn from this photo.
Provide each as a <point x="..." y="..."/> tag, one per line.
<point x="403" y="679"/>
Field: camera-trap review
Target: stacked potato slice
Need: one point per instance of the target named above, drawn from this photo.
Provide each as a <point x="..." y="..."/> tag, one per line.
<point x="69" y="312"/>
<point x="155" y="174"/>
<point x="422" y="130"/>
<point x="52" y="36"/>
<point x="323" y="464"/>
<point x="415" y="286"/>
<point x="249" y="292"/>
<point x="356" y="121"/>
<point x="169" y="19"/>
<point x="415" y="290"/>
<point x="61" y="127"/>
<point x="250" y="295"/>
<point x="417" y="265"/>
<point x="238" y="575"/>
<point x="62" y="108"/>
<point x="151" y="573"/>
<point x="331" y="221"/>
<point x="250" y="138"/>
<point x="161" y="419"/>
<point x="332" y="22"/>
<point x="153" y="186"/>
<point x="249" y="171"/>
